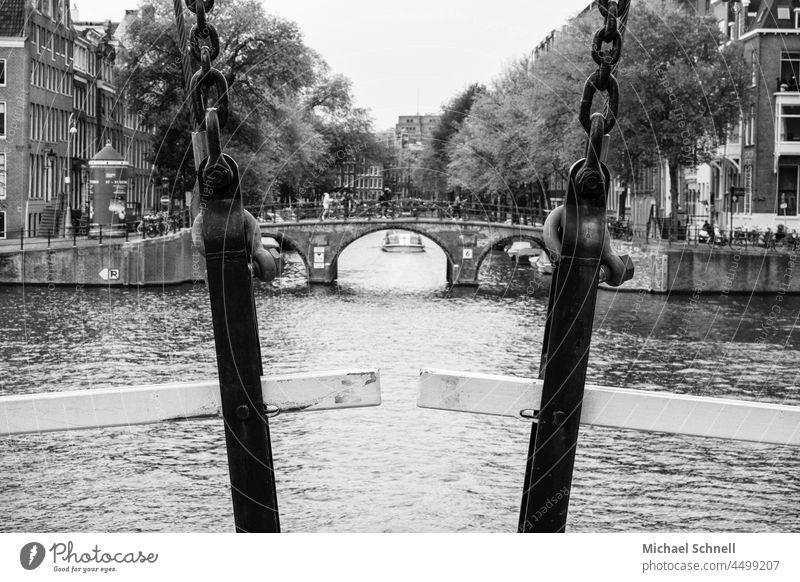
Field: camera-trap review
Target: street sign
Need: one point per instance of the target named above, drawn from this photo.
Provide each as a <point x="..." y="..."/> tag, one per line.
<point x="109" y="274"/>
<point x="165" y="199"/>
<point x="784" y="206"/>
<point x="319" y="257"/>
<point x="467" y="254"/>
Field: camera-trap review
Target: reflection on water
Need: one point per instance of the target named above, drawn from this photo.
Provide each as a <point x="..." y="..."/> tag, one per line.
<point x="396" y="467"/>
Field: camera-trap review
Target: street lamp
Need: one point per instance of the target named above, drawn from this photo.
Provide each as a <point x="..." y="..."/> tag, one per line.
<point x="68" y="178"/>
<point x="165" y="191"/>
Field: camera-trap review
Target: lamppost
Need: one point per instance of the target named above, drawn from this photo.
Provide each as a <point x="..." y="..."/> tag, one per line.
<point x="68" y="178"/>
<point x="165" y="192"/>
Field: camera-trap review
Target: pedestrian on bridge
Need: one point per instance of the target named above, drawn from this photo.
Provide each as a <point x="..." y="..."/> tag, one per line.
<point x="384" y="199"/>
<point x="326" y="205"/>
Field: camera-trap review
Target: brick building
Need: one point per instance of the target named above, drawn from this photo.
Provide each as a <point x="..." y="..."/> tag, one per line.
<point x="765" y="159"/>
<point x="58" y="106"/>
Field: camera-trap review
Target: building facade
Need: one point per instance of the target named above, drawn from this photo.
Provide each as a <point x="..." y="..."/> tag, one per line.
<point x="362" y="176"/>
<point x="415" y="131"/>
<point x="59" y="105"/>
<point x="767" y="158"/>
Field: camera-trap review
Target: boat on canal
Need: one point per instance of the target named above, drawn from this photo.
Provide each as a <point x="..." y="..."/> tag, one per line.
<point x="402" y="242"/>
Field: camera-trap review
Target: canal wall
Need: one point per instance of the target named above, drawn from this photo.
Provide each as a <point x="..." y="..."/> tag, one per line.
<point x="167" y="260"/>
<point x="171" y="260"/>
<point x="688" y="269"/>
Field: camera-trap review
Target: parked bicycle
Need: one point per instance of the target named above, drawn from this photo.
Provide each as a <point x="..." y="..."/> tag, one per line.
<point x="620" y="229"/>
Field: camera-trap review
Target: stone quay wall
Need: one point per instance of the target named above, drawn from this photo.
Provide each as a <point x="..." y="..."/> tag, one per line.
<point x="167" y="260"/>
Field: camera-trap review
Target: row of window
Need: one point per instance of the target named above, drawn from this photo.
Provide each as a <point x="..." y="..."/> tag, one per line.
<point x="51" y="78"/>
<point x="48" y="124"/>
<point x="57" y="43"/>
<point x="84" y="99"/>
<point x="135" y="152"/>
<point x="58" y="10"/>
<point x="41" y="184"/>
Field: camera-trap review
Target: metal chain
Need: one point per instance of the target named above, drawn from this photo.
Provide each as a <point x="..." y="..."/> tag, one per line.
<point x="603" y="79"/>
<point x="208" y="90"/>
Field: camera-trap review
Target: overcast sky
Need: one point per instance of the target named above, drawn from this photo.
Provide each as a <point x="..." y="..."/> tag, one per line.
<point x="408" y="55"/>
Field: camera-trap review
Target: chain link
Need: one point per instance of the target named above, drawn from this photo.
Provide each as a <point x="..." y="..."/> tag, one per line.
<point x="208" y="91"/>
<point x="615" y="14"/>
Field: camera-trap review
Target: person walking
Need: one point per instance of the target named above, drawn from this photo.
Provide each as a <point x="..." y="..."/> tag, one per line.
<point x="326" y="205"/>
<point x="384" y="201"/>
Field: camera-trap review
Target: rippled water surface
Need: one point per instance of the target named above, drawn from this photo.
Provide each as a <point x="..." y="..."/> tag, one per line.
<point x="396" y="467"/>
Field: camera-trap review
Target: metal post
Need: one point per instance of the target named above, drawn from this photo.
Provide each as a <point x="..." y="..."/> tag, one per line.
<point x="229" y="281"/>
<point x="101" y="235"/>
<point x="546" y="497"/>
<point x="523" y="512"/>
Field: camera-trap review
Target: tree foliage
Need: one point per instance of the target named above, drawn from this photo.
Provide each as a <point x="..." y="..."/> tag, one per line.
<point x="430" y="166"/>
<point x="289" y="114"/>
<point x="680" y="94"/>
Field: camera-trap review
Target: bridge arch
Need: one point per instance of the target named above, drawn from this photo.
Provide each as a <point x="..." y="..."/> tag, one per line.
<point x="533" y="239"/>
<point x="286" y="241"/>
<point x="345" y="242"/>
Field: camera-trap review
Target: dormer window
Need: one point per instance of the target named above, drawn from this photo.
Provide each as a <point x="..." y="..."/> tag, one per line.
<point x="783" y="13"/>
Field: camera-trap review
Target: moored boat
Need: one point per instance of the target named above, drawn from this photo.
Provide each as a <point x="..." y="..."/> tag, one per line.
<point x="402" y="242"/>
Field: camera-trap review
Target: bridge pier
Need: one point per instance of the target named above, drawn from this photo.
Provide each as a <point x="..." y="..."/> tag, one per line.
<point x="465" y="273"/>
<point x="324" y="276"/>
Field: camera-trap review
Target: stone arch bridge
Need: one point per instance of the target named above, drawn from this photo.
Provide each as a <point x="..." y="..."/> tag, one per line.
<point x="465" y="243"/>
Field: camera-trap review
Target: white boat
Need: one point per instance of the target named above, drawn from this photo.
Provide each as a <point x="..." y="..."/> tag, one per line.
<point x="402" y="242"/>
<point x="543" y="264"/>
<point x="523" y="253"/>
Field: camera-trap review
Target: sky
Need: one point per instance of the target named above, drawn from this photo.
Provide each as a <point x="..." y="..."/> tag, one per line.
<point x="406" y="56"/>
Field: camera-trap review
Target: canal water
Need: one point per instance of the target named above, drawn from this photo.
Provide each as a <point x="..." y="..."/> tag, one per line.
<point x="395" y="468"/>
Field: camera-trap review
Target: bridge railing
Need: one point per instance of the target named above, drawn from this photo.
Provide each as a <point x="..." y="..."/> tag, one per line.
<point x="402" y="208"/>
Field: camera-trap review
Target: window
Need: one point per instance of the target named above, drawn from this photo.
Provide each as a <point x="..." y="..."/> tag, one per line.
<point x="749" y="138"/>
<point x="753" y="68"/>
<point x="2" y="119"/>
<point x="790" y="69"/>
<point x="2" y="176"/>
<point x="787" y="190"/>
<point x="789" y="123"/>
<point x="2" y="72"/>
<point x="748" y="188"/>
<point x="783" y="13"/>
<point x="2" y="225"/>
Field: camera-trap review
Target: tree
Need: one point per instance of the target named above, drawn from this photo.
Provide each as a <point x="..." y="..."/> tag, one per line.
<point x="429" y="172"/>
<point x="679" y="91"/>
<point x="284" y="101"/>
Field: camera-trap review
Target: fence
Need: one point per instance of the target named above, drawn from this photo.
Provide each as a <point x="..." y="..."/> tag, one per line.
<point x="157" y="225"/>
<point x="401" y="208"/>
